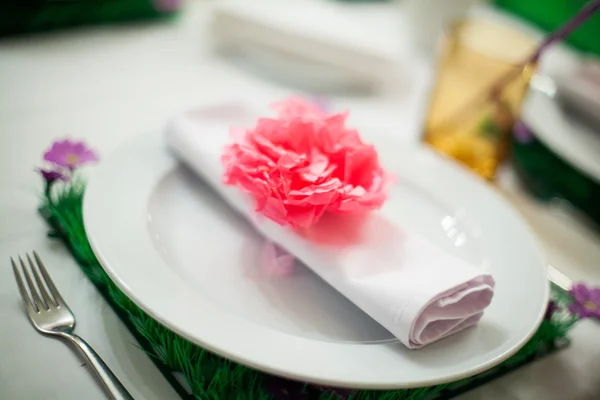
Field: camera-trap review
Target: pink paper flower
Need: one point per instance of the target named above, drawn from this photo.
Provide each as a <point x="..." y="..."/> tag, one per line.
<point x="69" y="154"/>
<point x="304" y="163"/>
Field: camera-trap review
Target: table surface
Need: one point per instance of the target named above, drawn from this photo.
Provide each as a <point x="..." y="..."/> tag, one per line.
<point x="105" y="85"/>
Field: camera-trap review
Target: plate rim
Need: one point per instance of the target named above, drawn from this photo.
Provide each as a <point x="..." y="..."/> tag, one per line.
<point x="548" y="120"/>
<point x="104" y="261"/>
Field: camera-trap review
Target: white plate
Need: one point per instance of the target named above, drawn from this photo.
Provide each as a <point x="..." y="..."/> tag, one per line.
<point x="572" y="140"/>
<point x="182" y="256"/>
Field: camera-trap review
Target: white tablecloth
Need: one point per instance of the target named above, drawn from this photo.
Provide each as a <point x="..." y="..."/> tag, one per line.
<point x="105" y="85"/>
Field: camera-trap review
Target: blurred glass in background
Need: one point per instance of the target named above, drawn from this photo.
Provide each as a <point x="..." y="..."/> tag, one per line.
<point x="466" y="120"/>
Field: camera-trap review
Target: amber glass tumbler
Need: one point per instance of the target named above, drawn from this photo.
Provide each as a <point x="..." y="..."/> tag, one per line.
<point x="479" y="86"/>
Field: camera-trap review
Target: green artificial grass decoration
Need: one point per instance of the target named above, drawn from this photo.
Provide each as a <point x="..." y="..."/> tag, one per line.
<point x="211" y="377"/>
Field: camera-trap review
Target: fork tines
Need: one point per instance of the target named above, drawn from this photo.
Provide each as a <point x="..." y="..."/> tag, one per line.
<point x="37" y="289"/>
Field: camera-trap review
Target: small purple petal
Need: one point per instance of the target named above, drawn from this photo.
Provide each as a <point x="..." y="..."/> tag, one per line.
<point x="579" y="310"/>
<point x="586" y="301"/>
<point x="522" y="133"/>
<point x="552" y="307"/>
<point x="580" y="292"/>
<point x="52" y="176"/>
<point x="167" y="5"/>
<point x="321" y="103"/>
<point x="276" y="261"/>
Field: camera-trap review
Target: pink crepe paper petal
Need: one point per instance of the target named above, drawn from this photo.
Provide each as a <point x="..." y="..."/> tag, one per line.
<point x="276" y="261"/>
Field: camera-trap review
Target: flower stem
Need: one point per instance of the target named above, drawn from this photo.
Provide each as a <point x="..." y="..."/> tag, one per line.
<point x="47" y="190"/>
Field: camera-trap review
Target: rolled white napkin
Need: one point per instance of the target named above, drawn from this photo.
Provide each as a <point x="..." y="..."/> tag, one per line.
<point x="405" y="283"/>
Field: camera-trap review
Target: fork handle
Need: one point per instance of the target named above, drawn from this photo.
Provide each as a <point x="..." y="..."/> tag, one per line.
<point x="112" y="384"/>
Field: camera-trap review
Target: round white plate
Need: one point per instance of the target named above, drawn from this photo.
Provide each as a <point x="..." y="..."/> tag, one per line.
<point x="180" y="254"/>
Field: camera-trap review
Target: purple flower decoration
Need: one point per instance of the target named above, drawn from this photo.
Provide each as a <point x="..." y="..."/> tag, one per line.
<point x="167" y="5"/>
<point x="51" y="176"/>
<point x="69" y="154"/>
<point x="552" y="307"/>
<point x="522" y="133"/>
<point x="586" y="301"/>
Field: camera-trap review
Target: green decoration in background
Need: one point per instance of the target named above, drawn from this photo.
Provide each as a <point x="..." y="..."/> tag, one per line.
<point x="550" y="14"/>
<point x="211" y="377"/>
<point x="23" y="16"/>
<point x="547" y="176"/>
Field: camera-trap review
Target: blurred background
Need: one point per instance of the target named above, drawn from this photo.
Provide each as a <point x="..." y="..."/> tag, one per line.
<point x="455" y="74"/>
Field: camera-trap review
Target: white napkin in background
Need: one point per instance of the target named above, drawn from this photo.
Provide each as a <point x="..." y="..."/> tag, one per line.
<point x="315" y="42"/>
<point x="429" y="19"/>
<point x="412" y="288"/>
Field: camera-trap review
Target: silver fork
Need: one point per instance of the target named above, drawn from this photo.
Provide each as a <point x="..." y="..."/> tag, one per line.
<point x="50" y="314"/>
